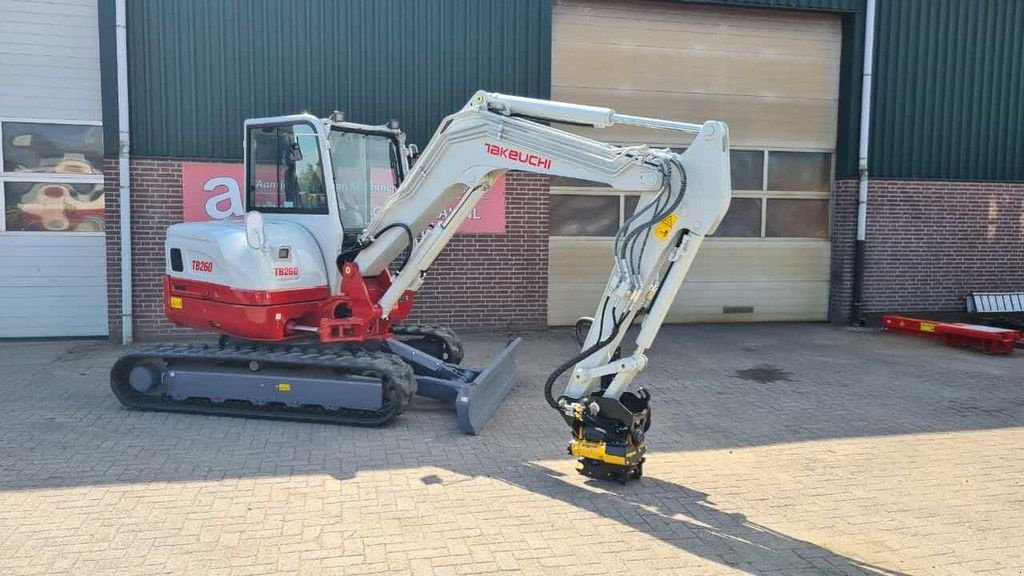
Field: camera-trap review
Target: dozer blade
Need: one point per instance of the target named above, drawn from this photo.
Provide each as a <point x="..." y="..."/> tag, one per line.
<point x="480" y="398"/>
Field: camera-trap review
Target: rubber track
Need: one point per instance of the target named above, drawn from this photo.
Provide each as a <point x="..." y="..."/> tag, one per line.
<point x="397" y="378"/>
<point x="446" y="335"/>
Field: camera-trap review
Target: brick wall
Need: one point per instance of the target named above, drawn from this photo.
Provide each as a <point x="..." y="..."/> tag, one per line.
<point x="844" y="236"/>
<point x="156" y="204"/>
<point x="495" y="280"/>
<point x="112" y="207"/>
<point x="928" y="244"/>
<point x="481" y="280"/>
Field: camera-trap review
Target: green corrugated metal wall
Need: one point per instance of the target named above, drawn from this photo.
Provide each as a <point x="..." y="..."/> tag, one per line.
<point x="197" y="68"/>
<point x="851" y="68"/>
<point x="826" y="5"/>
<point x="949" y="90"/>
<point x="948" y="100"/>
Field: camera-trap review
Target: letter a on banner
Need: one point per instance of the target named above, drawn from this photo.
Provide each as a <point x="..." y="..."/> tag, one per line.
<point x="211" y="191"/>
<point x="226" y="204"/>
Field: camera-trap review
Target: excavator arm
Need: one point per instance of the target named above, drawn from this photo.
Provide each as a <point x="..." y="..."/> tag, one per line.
<point x="683" y="199"/>
<point x="495" y="133"/>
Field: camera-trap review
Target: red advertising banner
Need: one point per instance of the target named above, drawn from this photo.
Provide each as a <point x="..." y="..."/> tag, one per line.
<point x="489" y="215"/>
<point x="213" y="191"/>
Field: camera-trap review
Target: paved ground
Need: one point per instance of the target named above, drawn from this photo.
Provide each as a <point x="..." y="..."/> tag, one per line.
<point x="776" y="450"/>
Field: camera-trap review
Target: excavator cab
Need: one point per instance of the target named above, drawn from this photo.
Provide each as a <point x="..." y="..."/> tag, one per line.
<point x="303" y="168"/>
<point x="327" y="175"/>
<point x="302" y="336"/>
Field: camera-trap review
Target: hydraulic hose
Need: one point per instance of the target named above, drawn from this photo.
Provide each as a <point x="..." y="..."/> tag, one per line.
<point x="408" y="232"/>
<point x="631" y="236"/>
<point x="550" y="383"/>
<point x="670" y="210"/>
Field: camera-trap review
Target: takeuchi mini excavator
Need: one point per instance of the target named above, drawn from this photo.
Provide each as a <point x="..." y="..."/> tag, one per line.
<point x="310" y="290"/>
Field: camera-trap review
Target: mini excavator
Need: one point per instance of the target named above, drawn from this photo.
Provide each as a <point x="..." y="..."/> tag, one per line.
<point x="310" y="290"/>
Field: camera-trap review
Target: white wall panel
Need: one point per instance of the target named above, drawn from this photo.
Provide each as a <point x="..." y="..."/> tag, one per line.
<point x="54" y="284"/>
<point x="49" y="60"/>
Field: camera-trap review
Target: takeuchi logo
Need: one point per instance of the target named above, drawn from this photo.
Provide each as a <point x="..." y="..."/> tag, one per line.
<point x="518" y="156"/>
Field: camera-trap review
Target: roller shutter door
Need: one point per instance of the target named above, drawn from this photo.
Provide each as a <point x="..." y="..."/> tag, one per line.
<point x="773" y="76"/>
<point x="52" y="243"/>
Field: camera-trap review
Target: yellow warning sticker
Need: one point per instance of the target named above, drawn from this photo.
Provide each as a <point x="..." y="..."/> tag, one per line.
<point x="927" y="327"/>
<point x="665" y="226"/>
<point x="284" y="387"/>
<point x="176" y="302"/>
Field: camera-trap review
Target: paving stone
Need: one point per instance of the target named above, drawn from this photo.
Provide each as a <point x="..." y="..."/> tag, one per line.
<point x="865" y="453"/>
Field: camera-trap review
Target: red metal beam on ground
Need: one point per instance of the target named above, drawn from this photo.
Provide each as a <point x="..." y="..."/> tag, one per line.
<point x="989" y="339"/>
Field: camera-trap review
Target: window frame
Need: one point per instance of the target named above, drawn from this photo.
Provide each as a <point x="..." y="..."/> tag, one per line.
<point x="764" y="194"/>
<point x="395" y="159"/>
<point x="804" y="193"/>
<point x="767" y="195"/>
<point x="609" y="192"/>
<point x="318" y="136"/>
<point x="43" y="177"/>
<point x="828" y="220"/>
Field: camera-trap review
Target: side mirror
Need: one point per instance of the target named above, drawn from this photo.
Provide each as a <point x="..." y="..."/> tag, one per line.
<point x="255" y="235"/>
<point x="414" y="153"/>
<point x="294" y="152"/>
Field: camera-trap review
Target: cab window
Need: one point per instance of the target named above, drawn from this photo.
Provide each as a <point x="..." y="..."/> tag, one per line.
<point x="366" y="174"/>
<point x="285" y="171"/>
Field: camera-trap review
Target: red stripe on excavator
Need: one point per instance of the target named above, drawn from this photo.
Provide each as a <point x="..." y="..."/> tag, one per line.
<point x="268" y="323"/>
<point x="197" y="289"/>
<point x="272" y="315"/>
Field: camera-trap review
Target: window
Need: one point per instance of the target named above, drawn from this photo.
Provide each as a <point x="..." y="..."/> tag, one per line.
<point x="594" y="209"/>
<point x="800" y="171"/>
<point x="52" y="148"/>
<point x="789" y="218"/>
<point x="747" y="168"/>
<point x="776" y="194"/>
<point x="743" y="220"/>
<point x="52" y="177"/>
<point x="580" y="215"/>
<point x="285" y="171"/>
<point x="49" y="206"/>
<point x="366" y="174"/>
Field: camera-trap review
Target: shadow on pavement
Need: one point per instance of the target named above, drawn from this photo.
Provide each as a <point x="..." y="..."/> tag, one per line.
<point x="688" y="520"/>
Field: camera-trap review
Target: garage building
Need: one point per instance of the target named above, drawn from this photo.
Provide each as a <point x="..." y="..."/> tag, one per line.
<point x="945" y="163"/>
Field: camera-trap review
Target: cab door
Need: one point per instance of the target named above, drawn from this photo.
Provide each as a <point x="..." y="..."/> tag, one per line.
<point x="288" y="178"/>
